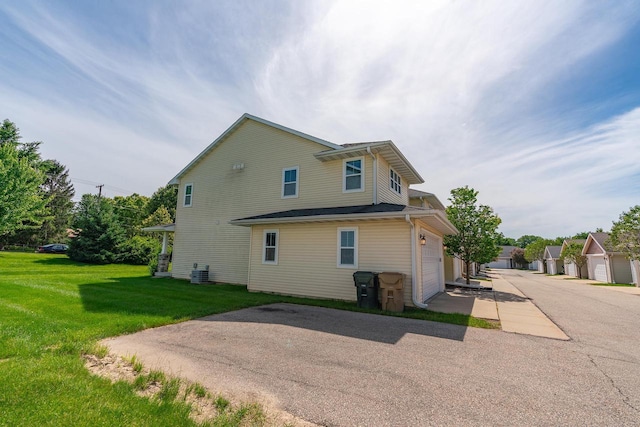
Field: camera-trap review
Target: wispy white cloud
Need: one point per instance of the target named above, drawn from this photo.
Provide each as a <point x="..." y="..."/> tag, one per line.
<point x="467" y="90"/>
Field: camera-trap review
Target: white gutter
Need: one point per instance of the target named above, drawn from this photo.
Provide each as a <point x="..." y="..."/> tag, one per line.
<point x="375" y="175"/>
<point x="413" y="265"/>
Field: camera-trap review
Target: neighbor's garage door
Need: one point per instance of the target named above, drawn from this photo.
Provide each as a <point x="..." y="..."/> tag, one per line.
<point x="431" y="259"/>
<point x="571" y="270"/>
<point x="598" y="269"/>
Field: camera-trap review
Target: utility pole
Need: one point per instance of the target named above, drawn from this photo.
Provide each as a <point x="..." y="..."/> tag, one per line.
<point x="99" y="187"/>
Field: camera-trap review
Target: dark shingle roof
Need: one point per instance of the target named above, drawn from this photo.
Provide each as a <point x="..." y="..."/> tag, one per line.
<point x="340" y="210"/>
<point x="554" y="251"/>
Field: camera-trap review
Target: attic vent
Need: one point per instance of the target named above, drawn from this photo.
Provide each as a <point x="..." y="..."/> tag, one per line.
<point x="238" y="166"/>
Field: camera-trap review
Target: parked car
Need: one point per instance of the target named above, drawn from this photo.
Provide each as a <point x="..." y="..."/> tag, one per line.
<point x="53" y="248"/>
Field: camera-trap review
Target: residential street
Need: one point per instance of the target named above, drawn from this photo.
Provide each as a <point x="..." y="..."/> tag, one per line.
<point x="341" y="368"/>
<point x="602" y="322"/>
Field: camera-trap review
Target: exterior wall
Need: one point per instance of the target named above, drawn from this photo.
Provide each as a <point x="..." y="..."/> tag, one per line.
<point x="621" y="269"/>
<point x="385" y="193"/>
<point x="221" y="193"/>
<point x="308" y="257"/>
<point x="635" y="272"/>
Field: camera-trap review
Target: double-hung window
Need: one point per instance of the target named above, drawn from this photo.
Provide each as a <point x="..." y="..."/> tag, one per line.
<point x="270" y="247"/>
<point x="188" y="195"/>
<point x="290" y="182"/>
<point x="348" y="247"/>
<point x="395" y="181"/>
<point x="353" y="175"/>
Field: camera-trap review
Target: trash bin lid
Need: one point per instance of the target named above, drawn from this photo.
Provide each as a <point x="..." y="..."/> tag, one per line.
<point x="391" y="280"/>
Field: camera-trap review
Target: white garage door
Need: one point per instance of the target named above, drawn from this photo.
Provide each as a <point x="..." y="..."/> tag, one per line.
<point x="598" y="269"/>
<point x="431" y="259"/>
<point x="571" y="270"/>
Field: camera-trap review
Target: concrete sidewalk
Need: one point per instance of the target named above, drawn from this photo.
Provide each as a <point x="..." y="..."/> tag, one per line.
<point x="505" y="303"/>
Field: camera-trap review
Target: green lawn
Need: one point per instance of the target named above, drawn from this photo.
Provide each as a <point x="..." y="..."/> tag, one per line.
<point x="52" y="310"/>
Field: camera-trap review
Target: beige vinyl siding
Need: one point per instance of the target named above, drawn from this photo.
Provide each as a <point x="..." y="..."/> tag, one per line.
<point x="221" y="193"/>
<point x="385" y="193"/>
<point x="307" y="258"/>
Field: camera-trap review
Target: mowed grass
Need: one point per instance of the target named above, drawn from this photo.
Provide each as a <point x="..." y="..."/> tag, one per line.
<point x="53" y="310"/>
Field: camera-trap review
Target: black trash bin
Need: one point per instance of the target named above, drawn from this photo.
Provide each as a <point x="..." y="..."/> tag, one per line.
<point x="366" y="283"/>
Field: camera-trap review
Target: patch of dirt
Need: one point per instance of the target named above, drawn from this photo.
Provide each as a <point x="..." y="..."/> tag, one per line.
<point x="116" y="368"/>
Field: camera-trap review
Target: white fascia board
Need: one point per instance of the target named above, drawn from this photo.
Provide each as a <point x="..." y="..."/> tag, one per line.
<point x="431" y="213"/>
<point x="406" y="170"/>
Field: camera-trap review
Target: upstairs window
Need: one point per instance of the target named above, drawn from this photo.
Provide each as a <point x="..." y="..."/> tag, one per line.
<point x="270" y="248"/>
<point x="348" y="247"/>
<point x="395" y="181"/>
<point x="188" y="195"/>
<point x="289" y="182"/>
<point x="353" y="175"/>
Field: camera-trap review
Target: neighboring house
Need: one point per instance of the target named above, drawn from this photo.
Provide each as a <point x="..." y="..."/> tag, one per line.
<point x="504" y="260"/>
<point x="552" y="259"/>
<point x="570" y="269"/>
<point x="285" y="212"/>
<point x="604" y="265"/>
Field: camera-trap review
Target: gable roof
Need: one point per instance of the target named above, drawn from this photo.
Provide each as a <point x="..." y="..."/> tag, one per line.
<point x="433" y="217"/>
<point x="506" y="251"/>
<point x="431" y="198"/>
<point x="599" y="239"/>
<point x="386" y="149"/>
<point x="568" y="242"/>
<point x="552" y="252"/>
<point x="245" y="117"/>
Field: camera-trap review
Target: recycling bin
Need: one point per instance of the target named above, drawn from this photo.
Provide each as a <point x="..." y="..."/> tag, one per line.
<point x="391" y="291"/>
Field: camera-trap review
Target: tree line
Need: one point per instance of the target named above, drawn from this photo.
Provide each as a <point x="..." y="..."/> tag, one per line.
<point x="36" y="208"/>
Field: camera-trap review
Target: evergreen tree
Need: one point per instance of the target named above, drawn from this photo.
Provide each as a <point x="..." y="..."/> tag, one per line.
<point x="59" y="192"/>
<point x="99" y="235"/>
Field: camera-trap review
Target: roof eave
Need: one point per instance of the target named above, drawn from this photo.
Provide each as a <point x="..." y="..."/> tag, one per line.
<point x="441" y="222"/>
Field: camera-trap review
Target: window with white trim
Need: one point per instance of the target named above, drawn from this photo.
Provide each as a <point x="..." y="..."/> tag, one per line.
<point x="270" y="247"/>
<point x="353" y="175"/>
<point x="395" y="181"/>
<point x="290" y="182"/>
<point x="188" y="195"/>
<point x="348" y="247"/>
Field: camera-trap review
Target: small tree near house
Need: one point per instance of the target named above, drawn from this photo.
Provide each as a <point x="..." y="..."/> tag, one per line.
<point x="573" y="253"/>
<point x="535" y="251"/>
<point x="517" y="255"/>
<point x="477" y="226"/>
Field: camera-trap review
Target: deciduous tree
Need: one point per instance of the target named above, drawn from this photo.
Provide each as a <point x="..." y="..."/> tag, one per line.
<point x="625" y="233"/>
<point x="21" y="203"/>
<point x="477" y="226"/>
<point x="573" y="253"/>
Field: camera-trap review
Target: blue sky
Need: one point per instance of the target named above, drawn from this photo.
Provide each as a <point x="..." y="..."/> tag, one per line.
<point x="534" y="104"/>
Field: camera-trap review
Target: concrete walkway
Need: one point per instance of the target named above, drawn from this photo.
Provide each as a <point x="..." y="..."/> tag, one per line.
<point x="506" y="303"/>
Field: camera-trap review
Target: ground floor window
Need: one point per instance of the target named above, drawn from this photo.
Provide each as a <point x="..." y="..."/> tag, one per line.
<point x="348" y="247"/>
<point x="270" y="247"/>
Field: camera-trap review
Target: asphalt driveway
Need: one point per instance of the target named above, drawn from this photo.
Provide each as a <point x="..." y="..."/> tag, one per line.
<point x="341" y="368"/>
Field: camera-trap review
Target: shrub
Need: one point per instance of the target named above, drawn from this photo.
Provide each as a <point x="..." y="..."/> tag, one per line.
<point x="139" y="250"/>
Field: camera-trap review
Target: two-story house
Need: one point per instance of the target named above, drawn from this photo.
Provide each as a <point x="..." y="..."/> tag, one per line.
<point x="285" y="212"/>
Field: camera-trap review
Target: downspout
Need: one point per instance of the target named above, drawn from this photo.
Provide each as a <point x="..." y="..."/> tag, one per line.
<point x="250" y="254"/>
<point x="414" y="297"/>
<point x="375" y="175"/>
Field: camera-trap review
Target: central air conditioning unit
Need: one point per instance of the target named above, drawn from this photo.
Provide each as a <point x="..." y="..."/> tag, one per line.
<point x="199" y="277"/>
